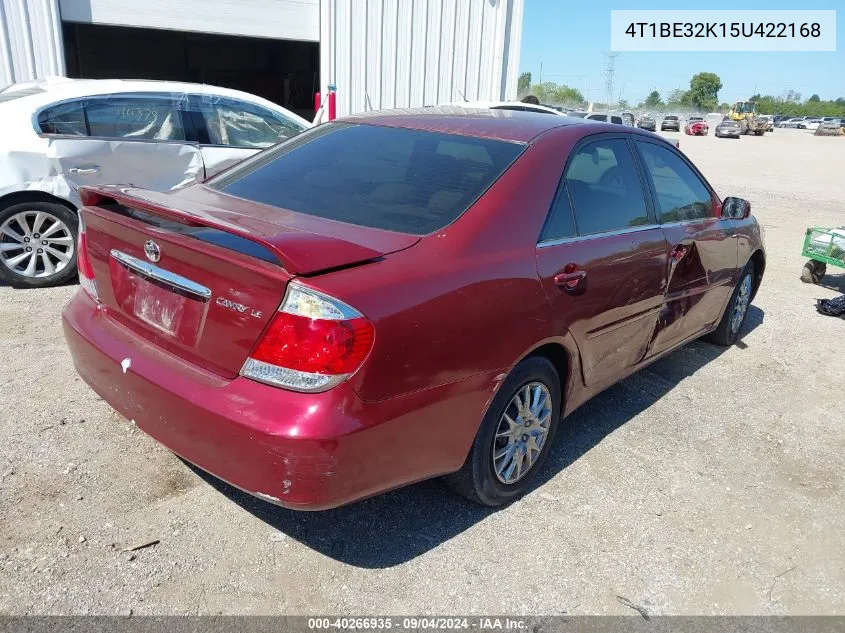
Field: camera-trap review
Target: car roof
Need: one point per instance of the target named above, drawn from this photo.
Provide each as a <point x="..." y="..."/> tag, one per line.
<point x="42" y="92"/>
<point x="505" y="125"/>
<point x="505" y="104"/>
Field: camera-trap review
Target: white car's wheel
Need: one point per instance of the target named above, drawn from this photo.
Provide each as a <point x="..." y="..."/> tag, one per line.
<point x="37" y="244"/>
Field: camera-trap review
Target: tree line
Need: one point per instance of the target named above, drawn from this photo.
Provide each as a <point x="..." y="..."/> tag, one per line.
<point x="702" y="96"/>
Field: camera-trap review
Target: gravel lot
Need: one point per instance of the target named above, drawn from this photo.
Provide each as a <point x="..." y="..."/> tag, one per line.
<point x="710" y="483"/>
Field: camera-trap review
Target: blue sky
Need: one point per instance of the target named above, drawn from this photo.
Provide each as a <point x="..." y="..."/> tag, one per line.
<point x="570" y="40"/>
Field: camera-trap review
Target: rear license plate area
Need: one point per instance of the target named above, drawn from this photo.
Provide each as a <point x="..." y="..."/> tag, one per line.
<point x="157" y="305"/>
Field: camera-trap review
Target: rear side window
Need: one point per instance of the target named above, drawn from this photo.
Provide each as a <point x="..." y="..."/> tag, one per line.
<point x="616" y="119"/>
<point x="135" y="117"/>
<point x="67" y="119"/>
<point x="680" y="193"/>
<point x="383" y="177"/>
<point x="240" y="124"/>
<point x="561" y="223"/>
<point x="605" y="188"/>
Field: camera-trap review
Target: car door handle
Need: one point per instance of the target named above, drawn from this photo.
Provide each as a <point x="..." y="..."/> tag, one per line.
<point x="571" y="277"/>
<point x="85" y="171"/>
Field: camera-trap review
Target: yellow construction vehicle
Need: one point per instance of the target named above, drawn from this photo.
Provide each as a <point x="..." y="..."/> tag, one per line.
<point x="745" y="114"/>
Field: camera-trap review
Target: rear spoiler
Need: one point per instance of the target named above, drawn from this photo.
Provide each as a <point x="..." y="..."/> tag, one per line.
<point x="299" y="252"/>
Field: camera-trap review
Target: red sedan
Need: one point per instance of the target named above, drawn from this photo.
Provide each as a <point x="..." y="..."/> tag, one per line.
<point x="696" y="127"/>
<point x="394" y="297"/>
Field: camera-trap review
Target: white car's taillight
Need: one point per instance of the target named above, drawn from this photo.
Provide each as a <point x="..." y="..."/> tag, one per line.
<point x="83" y="262"/>
<point x="313" y="343"/>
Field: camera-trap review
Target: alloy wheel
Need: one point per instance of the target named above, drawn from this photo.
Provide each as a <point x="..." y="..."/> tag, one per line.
<point x="521" y="433"/>
<point x="35" y="244"/>
<point x="743" y="298"/>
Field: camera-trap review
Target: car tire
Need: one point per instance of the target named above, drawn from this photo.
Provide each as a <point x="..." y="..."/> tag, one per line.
<point x="727" y="333"/>
<point x="813" y="272"/>
<point x="56" y="227"/>
<point x="489" y="476"/>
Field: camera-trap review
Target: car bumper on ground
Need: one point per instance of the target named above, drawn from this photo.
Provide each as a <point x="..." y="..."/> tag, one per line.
<point x="302" y="451"/>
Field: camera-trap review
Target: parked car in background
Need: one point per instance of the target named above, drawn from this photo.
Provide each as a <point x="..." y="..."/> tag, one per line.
<point x="794" y="122"/>
<point x="62" y="134"/>
<point x="696" y="127"/>
<point x="769" y="121"/>
<point x="647" y="122"/>
<point x="628" y="118"/>
<point x="830" y="128"/>
<point x="514" y="106"/>
<point x="812" y="124"/>
<point x="317" y="331"/>
<point x="605" y="118"/>
<point x="727" y="128"/>
<point x="670" y="123"/>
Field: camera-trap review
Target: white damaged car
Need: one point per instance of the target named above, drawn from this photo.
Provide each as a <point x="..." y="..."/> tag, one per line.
<point x="59" y="134"/>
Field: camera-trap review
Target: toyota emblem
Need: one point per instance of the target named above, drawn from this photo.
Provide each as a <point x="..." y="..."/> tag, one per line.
<point x="152" y="251"/>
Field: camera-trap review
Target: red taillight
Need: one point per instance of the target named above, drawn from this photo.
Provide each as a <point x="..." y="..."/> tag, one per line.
<point x="83" y="262"/>
<point x="313" y="343"/>
<point x="315" y="346"/>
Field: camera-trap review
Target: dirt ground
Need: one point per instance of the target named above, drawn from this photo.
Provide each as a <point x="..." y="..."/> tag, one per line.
<point x="710" y="483"/>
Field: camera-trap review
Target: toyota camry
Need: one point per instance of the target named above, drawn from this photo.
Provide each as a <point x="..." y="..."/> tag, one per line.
<point x="398" y="296"/>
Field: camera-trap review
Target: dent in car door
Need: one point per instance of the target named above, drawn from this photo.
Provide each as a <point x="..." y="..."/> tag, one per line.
<point x="612" y="311"/>
<point x="133" y="138"/>
<point x="149" y="164"/>
<point x="702" y="248"/>
<point x="602" y="259"/>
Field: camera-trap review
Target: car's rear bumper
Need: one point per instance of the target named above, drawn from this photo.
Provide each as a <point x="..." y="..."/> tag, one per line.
<point x="304" y="451"/>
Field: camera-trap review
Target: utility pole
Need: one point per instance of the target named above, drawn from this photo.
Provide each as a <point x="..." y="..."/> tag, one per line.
<point x="540" y="80"/>
<point x="608" y="77"/>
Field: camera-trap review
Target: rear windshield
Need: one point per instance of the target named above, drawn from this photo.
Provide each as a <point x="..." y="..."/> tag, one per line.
<point x="671" y="118"/>
<point x="383" y="177"/>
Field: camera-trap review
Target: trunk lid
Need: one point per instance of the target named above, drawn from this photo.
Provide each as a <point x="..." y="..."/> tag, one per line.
<point x="203" y="281"/>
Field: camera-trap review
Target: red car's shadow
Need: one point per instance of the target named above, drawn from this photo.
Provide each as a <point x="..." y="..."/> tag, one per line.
<point x="398" y="526"/>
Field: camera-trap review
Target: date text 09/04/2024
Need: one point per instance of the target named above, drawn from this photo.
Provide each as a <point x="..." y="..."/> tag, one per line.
<point x="724" y="29"/>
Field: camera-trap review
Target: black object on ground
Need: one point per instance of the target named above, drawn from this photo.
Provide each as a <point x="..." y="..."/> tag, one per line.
<point x="832" y="307"/>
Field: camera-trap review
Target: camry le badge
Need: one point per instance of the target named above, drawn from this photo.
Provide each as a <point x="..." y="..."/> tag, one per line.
<point x="238" y="307"/>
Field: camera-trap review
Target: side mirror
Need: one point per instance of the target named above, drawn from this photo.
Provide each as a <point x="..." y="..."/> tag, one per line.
<point x="736" y="208"/>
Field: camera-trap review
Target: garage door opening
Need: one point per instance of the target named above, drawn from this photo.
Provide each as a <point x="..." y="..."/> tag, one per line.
<point x="283" y="71"/>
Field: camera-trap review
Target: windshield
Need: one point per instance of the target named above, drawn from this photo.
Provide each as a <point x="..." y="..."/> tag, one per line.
<point x="745" y="107"/>
<point x="383" y="177"/>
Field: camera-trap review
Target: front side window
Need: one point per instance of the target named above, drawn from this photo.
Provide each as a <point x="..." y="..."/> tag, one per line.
<point x="605" y="188"/>
<point x="680" y="193"/>
<point x="135" y="117"/>
<point x="240" y="124"/>
<point x="389" y="178"/>
<point x="65" y="119"/>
